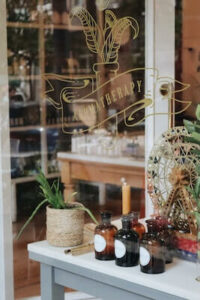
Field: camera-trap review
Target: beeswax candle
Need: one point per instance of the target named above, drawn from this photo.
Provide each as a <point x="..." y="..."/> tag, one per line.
<point x="126" y="198"/>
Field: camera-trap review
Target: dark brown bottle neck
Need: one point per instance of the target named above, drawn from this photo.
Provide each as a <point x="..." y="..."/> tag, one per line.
<point x="152" y="226"/>
<point x="134" y="216"/>
<point x="126" y="225"/>
<point x="106" y="221"/>
<point x="134" y="222"/>
<point x="106" y="218"/>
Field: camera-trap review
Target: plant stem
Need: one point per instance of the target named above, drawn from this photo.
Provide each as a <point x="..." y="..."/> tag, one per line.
<point x="30" y="218"/>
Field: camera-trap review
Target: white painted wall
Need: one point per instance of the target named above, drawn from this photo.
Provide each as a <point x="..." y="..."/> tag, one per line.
<point x="6" y="246"/>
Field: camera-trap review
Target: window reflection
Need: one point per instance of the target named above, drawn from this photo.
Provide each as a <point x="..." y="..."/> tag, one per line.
<point x="47" y="47"/>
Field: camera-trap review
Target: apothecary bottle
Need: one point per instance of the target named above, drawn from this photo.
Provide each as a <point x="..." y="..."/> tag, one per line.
<point x="126" y="245"/>
<point x="167" y="237"/>
<point x="136" y="225"/>
<point x="152" y="259"/>
<point x="104" y="238"/>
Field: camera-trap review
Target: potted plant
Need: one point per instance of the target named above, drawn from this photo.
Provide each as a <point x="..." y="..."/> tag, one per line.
<point x="65" y="220"/>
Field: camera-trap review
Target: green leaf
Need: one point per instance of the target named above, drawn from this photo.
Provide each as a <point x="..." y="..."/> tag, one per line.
<point x="197" y="187"/>
<point x="191" y="140"/>
<point x="196" y="136"/>
<point x="195" y="195"/>
<point x="70" y="197"/>
<point x="198" y="112"/>
<point x="196" y="152"/>
<point x="189" y="126"/>
<point x="198" y="204"/>
<point x="89" y="213"/>
<point x="197" y="216"/>
<point x="45" y="185"/>
<point x="51" y="193"/>
<point x="197" y="126"/>
<point x="198" y="169"/>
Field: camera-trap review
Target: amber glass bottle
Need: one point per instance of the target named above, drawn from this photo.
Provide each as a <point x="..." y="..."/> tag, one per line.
<point x="152" y="259"/>
<point x="167" y="239"/>
<point x="161" y="222"/>
<point x="126" y="245"/>
<point x="135" y="225"/>
<point x="104" y="238"/>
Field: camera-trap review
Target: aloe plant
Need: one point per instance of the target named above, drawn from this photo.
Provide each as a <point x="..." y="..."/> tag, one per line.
<point x="53" y="196"/>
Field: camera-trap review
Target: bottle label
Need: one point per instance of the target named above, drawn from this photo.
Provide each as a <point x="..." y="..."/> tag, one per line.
<point x="145" y="256"/>
<point x="120" y="249"/>
<point x="99" y="243"/>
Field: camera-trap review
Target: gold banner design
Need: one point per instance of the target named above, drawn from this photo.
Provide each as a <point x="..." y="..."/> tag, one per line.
<point x="79" y="97"/>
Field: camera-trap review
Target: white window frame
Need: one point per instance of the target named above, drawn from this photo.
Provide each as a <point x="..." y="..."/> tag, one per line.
<point x="159" y="53"/>
<point x="6" y="239"/>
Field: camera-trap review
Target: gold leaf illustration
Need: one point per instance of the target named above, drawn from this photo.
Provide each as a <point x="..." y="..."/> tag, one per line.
<point x="68" y="94"/>
<point x="92" y="31"/>
<point x="110" y="20"/>
<point x="113" y="41"/>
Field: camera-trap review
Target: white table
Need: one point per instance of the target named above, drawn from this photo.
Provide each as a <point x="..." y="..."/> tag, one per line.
<point x="108" y="281"/>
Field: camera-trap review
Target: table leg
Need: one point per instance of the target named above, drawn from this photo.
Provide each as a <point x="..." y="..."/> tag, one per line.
<point x="69" y="189"/>
<point x="49" y="289"/>
<point x="67" y="180"/>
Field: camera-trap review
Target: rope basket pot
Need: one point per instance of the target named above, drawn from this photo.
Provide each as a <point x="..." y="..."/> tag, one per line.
<point x="65" y="226"/>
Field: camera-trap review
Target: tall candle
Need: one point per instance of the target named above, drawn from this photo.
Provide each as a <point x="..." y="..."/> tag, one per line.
<point x="126" y="198"/>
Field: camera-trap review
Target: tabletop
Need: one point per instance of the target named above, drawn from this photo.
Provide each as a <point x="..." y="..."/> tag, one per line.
<point x="120" y="161"/>
<point x="178" y="280"/>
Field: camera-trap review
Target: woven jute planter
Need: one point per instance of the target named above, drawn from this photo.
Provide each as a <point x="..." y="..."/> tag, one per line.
<point x="65" y="227"/>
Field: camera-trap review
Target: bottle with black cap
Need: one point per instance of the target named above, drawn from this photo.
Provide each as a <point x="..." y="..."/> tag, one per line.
<point x="126" y="245"/>
<point x="152" y="258"/>
<point x="104" y="238"/>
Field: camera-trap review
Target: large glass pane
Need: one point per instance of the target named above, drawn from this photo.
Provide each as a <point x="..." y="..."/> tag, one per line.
<point x="76" y="76"/>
